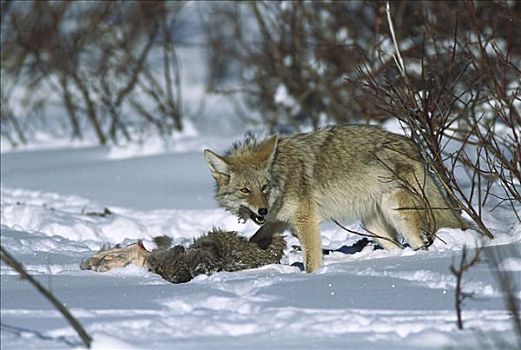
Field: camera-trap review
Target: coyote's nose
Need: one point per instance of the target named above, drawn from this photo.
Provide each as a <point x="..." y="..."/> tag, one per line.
<point x="263" y="211"/>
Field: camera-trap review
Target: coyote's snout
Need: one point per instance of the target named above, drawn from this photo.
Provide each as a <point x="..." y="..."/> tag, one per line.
<point x="342" y="172"/>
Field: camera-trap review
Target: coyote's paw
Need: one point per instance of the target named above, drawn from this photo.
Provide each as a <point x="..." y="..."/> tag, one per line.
<point x="107" y="259"/>
<point x="421" y="243"/>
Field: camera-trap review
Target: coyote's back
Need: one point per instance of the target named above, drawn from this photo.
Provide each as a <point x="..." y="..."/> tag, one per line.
<point x="342" y="172"/>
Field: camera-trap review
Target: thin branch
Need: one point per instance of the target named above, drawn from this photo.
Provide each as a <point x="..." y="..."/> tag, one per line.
<point x="398" y="57"/>
<point x="459" y="295"/>
<point x="370" y="234"/>
<point x="9" y="260"/>
<point x="507" y="282"/>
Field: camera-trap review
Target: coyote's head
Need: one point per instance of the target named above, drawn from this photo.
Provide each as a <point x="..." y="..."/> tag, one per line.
<point x="243" y="177"/>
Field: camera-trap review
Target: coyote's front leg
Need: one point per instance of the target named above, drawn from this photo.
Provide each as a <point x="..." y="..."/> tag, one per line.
<point x="106" y="260"/>
<point x="306" y="225"/>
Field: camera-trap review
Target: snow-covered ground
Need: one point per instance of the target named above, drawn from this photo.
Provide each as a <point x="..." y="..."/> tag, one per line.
<point x="366" y="300"/>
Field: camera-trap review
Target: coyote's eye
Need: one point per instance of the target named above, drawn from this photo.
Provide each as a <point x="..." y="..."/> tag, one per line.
<point x="244" y="190"/>
<point x="264" y="188"/>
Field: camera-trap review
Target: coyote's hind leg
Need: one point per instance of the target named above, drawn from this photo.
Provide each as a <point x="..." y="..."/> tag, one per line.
<point x="378" y="226"/>
<point x="399" y="208"/>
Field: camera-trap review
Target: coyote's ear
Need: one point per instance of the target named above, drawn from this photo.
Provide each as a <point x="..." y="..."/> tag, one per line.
<point x="216" y="163"/>
<point x="267" y="149"/>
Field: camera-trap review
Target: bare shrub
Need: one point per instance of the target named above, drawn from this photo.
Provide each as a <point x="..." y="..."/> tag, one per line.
<point x="459" y="99"/>
<point x="292" y="58"/>
<point x="92" y="58"/>
<point x="298" y="60"/>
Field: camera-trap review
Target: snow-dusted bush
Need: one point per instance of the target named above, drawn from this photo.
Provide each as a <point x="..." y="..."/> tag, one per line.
<point x="299" y="61"/>
<point x="460" y="100"/>
<point x="111" y="66"/>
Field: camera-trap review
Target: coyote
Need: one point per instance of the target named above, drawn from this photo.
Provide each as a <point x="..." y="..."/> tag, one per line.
<point x="341" y="172"/>
<point x="216" y="251"/>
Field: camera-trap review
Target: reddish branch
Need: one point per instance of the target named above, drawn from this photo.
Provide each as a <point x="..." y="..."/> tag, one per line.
<point x="458" y="272"/>
<point x="9" y="260"/>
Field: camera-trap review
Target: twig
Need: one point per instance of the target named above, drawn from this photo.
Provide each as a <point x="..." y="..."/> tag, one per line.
<point x="370" y="234"/>
<point x="464" y="265"/>
<point x="507" y="283"/>
<point x="398" y="57"/>
<point x="24" y="332"/>
<point x="9" y="260"/>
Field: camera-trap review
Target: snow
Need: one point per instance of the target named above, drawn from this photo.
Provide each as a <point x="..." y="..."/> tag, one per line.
<point x="53" y="191"/>
<point x="399" y="299"/>
<point x="177" y="142"/>
<point x="283" y="98"/>
<point x="510" y="264"/>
